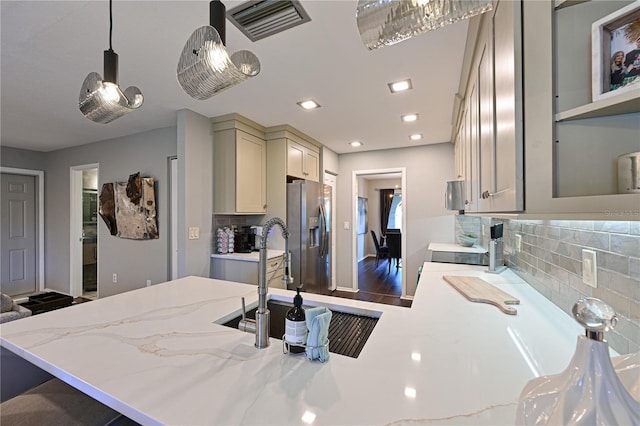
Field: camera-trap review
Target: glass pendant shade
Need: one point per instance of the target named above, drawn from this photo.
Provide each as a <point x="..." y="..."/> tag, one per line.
<point x="386" y="22"/>
<point x="103" y="101"/>
<point x="205" y="68"/>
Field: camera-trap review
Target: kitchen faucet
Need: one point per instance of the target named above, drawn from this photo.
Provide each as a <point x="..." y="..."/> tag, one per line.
<point x="260" y="326"/>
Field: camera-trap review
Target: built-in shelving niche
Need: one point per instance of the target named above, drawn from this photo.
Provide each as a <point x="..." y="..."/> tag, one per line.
<point x="589" y="136"/>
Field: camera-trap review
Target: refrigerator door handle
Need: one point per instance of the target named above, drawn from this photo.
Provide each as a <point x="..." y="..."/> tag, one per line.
<point x="323" y="233"/>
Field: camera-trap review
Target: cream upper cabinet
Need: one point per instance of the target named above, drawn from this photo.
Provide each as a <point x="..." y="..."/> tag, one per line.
<point x="251" y="166"/>
<point x="490" y="125"/>
<point x="501" y="167"/>
<point x="240" y="166"/>
<point x="303" y="161"/>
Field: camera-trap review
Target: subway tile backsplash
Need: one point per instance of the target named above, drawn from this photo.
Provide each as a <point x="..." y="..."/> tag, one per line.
<point x="551" y="262"/>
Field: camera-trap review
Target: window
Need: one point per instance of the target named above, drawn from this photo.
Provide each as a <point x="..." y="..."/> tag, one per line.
<point x="395" y="212"/>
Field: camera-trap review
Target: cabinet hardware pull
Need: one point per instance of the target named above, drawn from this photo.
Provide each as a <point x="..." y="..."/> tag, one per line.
<point x="487" y="194"/>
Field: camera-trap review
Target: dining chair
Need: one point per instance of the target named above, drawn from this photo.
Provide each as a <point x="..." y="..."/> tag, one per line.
<point x="394" y="243"/>
<point x="382" y="252"/>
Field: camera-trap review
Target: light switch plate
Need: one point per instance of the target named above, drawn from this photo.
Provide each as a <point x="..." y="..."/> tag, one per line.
<point x="518" y="243"/>
<point x="194" y="233"/>
<point x="589" y="268"/>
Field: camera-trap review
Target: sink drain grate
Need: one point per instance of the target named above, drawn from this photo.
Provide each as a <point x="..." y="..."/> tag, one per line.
<point x="348" y="333"/>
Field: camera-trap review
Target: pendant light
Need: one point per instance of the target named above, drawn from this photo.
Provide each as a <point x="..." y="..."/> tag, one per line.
<point x="205" y="68"/>
<point x="386" y="22"/>
<point x="101" y="100"/>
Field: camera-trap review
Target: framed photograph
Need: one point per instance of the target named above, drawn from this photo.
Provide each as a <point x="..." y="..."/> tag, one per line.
<point x="615" y="53"/>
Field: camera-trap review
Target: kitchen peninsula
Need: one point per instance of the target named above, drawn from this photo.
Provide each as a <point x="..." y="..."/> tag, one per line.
<point x="159" y="356"/>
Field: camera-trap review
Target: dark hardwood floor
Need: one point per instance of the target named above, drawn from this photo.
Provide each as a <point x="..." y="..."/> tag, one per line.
<point x="379" y="285"/>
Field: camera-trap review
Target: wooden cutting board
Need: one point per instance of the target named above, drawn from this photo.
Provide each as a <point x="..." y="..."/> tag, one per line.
<point x="478" y="290"/>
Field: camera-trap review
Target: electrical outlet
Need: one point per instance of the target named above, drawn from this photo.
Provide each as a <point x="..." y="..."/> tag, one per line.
<point x="115" y="278"/>
<point x="589" y="268"/>
<point x="346" y="226"/>
<point x="148" y="283"/>
<point x="518" y="243"/>
<point x="194" y="233"/>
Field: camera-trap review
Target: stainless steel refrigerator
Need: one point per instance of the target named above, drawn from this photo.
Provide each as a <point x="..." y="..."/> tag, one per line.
<point x="309" y="223"/>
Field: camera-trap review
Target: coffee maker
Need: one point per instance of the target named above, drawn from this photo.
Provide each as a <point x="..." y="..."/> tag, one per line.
<point x="245" y="240"/>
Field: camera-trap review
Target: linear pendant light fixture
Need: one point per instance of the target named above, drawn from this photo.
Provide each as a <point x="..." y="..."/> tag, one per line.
<point x="205" y="68"/>
<point x="101" y="100"/>
<point x="387" y="22"/>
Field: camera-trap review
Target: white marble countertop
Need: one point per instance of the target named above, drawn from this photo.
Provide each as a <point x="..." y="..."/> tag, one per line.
<point x="254" y="256"/>
<point x="157" y="355"/>
<point x="456" y="248"/>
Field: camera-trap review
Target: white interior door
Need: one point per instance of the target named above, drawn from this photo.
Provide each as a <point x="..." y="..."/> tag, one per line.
<point x="18" y="234"/>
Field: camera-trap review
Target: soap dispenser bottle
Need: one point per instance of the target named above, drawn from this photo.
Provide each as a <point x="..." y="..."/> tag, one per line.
<point x="296" y="326"/>
<point x="588" y="391"/>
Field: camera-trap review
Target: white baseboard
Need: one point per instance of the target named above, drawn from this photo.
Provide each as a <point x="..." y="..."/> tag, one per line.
<point x="368" y="255"/>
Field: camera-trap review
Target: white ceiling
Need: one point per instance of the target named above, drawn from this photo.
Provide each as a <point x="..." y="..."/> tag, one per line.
<point x="48" y="47"/>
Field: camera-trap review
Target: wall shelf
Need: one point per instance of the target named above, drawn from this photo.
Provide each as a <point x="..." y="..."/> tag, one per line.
<point x="625" y="103"/>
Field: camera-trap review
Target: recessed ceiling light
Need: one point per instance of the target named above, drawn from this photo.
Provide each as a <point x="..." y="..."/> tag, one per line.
<point x="309" y="104"/>
<point x="400" y="86"/>
<point x="416" y="136"/>
<point x="409" y="118"/>
<point x="356" y="144"/>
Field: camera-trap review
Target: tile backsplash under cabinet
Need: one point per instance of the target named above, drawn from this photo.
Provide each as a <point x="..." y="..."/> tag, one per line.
<point x="551" y="261"/>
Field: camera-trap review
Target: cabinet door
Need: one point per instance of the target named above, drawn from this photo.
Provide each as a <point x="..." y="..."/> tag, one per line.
<point x="295" y="159"/>
<point x="486" y="153"/>
<point x="458" y="155"/>
<point x="311" y="165"/>
<point x="234" y="270"/>
<point x="508" y="146"/>
<point x="251" y="173"/>
<point x="275" y="273"/>
<point x="500" y="107"/>
<point x="471" y="168"/>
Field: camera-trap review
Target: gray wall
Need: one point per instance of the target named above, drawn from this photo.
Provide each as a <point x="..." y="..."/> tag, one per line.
<point x="428" y="169"/>
<point x="551" y="262"/>
<point x="133" y="261"/>
<point x="195" y="189"/>
<point x="22" y="159"/>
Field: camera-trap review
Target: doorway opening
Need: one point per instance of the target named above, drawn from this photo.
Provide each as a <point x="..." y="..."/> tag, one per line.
<point x="380" y="274"/>
<point x="84" y="231"/>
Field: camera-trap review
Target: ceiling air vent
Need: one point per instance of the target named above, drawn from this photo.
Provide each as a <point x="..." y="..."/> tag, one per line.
<point x="258" y="19"/>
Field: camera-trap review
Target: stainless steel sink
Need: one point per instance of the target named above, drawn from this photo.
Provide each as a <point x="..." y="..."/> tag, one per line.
<point x="348" y="332"/>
